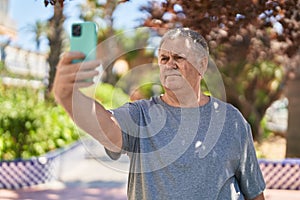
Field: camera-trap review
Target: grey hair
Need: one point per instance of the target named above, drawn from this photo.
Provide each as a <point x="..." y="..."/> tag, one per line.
<point x="194" y="36"/>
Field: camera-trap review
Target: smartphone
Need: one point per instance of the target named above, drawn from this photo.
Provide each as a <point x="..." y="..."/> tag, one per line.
<point x="84" y="39"/>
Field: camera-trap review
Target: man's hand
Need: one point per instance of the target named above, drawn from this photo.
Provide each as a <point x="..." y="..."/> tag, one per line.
<point x="70" y="77"/>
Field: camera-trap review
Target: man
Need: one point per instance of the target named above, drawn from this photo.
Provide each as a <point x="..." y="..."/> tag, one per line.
<point x="182" y="144"/>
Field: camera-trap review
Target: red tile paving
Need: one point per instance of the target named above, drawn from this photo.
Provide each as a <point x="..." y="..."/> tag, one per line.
<point x="106" y="194"/>
<point x="65" y="194"/>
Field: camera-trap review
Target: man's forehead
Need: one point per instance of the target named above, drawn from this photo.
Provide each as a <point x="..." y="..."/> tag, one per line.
<point x="179" y="45"/>
<point x="172" y="51"/>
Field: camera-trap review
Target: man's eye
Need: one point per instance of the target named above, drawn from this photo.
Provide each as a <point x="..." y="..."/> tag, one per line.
<point x="178" y="58"/>
<point x="164" y="59"/>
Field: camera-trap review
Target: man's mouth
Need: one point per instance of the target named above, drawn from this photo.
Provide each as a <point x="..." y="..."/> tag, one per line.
<point x="173" y="75"/>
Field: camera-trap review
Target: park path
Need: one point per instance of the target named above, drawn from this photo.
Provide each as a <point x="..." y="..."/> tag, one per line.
<point x="80" y="177"/>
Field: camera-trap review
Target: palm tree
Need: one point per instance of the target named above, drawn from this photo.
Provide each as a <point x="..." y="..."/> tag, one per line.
<point x="39" y="30"/>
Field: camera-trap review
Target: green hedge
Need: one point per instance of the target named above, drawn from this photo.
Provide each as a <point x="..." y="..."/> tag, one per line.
<point x="108" y="95"/>
<point x="30" y="126"/>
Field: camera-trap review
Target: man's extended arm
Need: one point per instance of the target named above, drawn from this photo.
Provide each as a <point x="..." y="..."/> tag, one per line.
<point x="90" y="116"/>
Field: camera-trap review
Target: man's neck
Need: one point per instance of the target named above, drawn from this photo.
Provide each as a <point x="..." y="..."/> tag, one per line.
<point x="185" y="100"/>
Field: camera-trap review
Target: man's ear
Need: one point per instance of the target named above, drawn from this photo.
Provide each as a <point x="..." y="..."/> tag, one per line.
<point x="203" y="64"/>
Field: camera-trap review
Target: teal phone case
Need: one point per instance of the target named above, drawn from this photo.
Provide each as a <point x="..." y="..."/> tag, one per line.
<point x="86" y="42"/>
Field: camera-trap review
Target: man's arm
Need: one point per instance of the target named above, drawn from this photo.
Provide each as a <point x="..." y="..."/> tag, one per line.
<point x="90" y="116"/>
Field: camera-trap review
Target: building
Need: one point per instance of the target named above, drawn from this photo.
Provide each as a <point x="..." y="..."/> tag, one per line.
<point x="22" y="63"/>
<point x="26" y="64"/>
<point x="7" y="25"/>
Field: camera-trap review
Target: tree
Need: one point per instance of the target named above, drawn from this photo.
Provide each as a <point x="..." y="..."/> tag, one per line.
<point x="53" y="2"/>
<point x="39" y="30"/>
<point x="55" y="32"/>
<point x="247" y="39"/>
<point x="293" y="94"/>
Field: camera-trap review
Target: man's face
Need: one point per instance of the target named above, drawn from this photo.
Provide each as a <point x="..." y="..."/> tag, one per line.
<point x="180" y="64"/>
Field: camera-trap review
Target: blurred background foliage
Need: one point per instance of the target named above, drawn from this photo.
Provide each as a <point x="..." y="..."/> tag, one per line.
<point x="30" y="126"/>
<point x="108" y="95"/>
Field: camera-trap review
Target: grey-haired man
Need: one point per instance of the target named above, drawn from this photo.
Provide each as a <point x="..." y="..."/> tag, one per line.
<point x="182" y="144"/>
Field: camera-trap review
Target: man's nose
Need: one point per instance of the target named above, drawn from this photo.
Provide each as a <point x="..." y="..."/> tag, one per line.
<point x="171" y="64"/>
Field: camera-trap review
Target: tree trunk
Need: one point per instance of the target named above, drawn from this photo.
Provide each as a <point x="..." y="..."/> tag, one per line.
<point x="293" y="133"/>
<point x="55" y="41"/>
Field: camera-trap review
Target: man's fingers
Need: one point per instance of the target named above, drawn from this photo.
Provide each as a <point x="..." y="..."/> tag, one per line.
<point x="77" y="76"/>
<point x="67" y="57"/>
<point x="78" y="67"/>
<point x="84" y="75"/>
<point x="89" y="65"/>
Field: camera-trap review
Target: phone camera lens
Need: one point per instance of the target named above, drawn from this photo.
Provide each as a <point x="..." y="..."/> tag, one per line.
<point x="76" y="30"/>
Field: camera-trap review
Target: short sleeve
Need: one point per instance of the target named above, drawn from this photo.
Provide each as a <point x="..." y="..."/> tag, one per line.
<point x="249" y="173"/>
<point x="127" y="117"/>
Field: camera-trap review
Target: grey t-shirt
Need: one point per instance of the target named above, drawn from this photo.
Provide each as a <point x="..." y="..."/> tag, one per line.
<point x="188" y="153"/>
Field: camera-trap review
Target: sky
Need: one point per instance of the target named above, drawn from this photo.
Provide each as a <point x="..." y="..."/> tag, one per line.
<point x="26" y="14"/>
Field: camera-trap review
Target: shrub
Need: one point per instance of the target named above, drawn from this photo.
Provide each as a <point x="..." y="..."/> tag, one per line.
<point x="31" y="127"/>
<point x="108" y="95"/>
